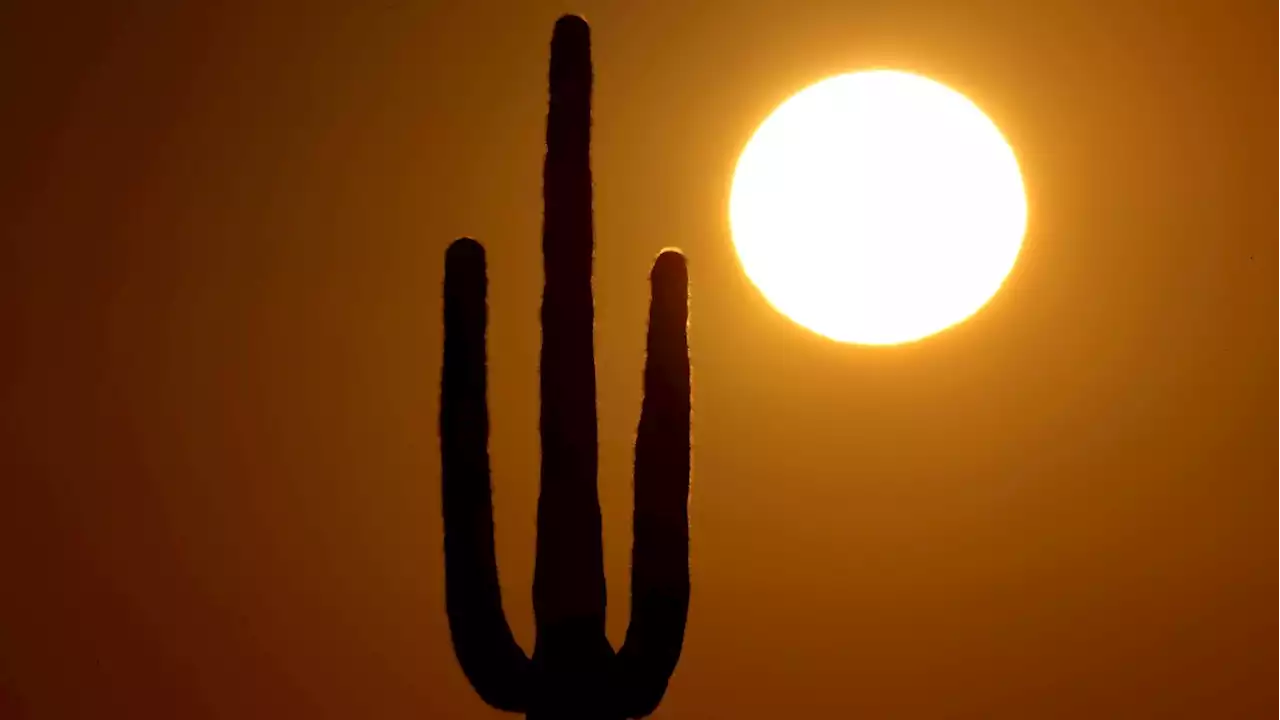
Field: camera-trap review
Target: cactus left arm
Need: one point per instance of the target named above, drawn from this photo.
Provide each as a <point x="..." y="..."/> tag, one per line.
<point x="482" y="639"/>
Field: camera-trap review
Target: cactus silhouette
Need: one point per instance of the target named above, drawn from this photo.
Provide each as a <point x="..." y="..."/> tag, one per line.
<point x="574" y="672"/>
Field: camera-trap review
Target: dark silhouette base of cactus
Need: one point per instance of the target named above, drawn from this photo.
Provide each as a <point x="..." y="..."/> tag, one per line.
<point x="574" y="672"/>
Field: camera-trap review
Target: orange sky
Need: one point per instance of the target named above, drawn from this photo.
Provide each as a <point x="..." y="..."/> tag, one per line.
<point x="223" y="242"/>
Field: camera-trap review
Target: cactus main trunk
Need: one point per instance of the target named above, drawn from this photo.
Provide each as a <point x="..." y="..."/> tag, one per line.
<point x="574" y="672"/>
<point x="568" y="576"/>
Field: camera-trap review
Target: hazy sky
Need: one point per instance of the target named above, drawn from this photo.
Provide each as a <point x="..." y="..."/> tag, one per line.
<point x="223" y="234"/>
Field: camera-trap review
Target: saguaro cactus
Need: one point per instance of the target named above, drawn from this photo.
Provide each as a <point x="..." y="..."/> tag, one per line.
<point x="574" y="672"/>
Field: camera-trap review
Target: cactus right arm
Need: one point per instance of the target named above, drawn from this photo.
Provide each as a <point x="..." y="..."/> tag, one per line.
<point x="660" y="553"/>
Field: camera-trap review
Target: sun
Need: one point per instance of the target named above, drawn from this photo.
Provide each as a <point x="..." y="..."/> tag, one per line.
<point x="878" y="207"/>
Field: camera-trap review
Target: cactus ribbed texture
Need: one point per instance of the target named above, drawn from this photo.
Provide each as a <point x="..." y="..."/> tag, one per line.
<point x="574" y="672"/>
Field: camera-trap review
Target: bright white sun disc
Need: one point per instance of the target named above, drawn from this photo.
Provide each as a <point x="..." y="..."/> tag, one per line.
<point x="878" y="207"/>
